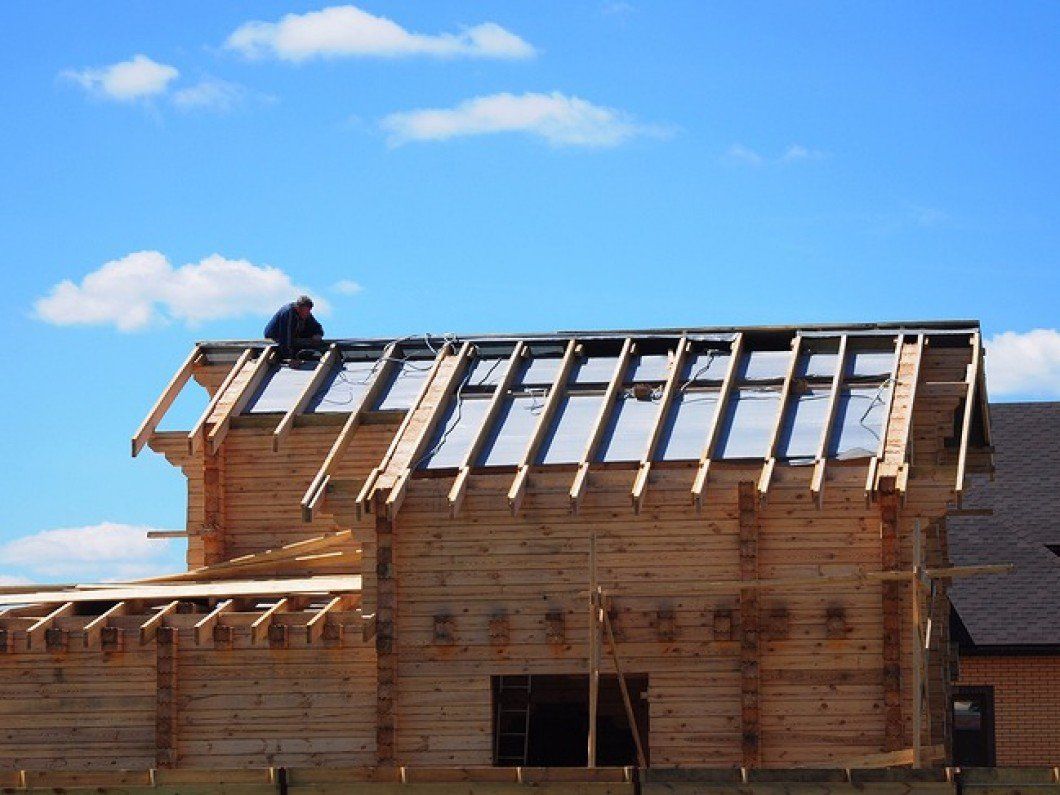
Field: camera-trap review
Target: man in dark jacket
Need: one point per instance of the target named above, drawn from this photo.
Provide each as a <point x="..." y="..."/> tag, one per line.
<point x="293" y="327"/>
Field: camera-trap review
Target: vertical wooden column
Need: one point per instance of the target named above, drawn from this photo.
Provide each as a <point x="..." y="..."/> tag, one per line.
<point x="749" y="627"/>
<point x="385" y="634"/>
<point x="594" y="649"/>
<point x="166" y="644"/>
<point x="890" y="554"/>
<point x="213" y="503"/>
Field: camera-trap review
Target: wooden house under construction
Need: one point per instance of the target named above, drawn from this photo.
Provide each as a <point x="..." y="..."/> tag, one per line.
<point x="717" y="547"/>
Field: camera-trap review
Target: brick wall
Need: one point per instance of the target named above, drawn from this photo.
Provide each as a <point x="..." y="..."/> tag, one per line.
<point x="1026" y="705"/>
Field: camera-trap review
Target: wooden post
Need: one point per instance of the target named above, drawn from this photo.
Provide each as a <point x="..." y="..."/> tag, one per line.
<point x="642" y="760"/>
<point x="594" y="649"/>
<point x="749" y="627"/>
<point x="166" y="643"/>
<point x="918" y="647"/>
<point x="892" y="624"/>
<point x="386" y="658"/>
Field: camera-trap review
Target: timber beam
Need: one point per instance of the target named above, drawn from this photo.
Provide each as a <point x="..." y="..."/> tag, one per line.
<point x="774" y="437"/>
<point x="195" y="435"/>
<point x="328" y="362"/>
<point x="165" y="400"/>
<point x="258" y="371"/>
<point x="699" y="483"/>
<point x="670" y="390"/>
<point x="821" y="459"/>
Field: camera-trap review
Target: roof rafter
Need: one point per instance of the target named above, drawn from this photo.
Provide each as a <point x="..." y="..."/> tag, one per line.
<point x="874" y="463"/>
<point x="459" y="488"/>
<point x="259" y="629"/>
<point x="324" y="367"/>
<point x="165" y="400"/>
<point x="195" y="435"/>
<point x="94" y="629"/>
<point x="257" y="374"/>
<point x="972" y="380"/>
<point x="581" y="477"/>
<point x="314" y="627"/>
<point x="37" y="630"/>
<point x="774" y="437"/>
<point x="544" y="421"/>
<point x="894" y="460"/>
<point x="204" y="626"/>
<point x="149" y="629"/>
<point x="699" y="484"/>
<point x="670" y="388"/>
<point x="817" y="481"/>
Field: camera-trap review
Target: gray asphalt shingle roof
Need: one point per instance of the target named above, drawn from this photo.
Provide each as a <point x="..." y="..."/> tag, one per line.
<point x="1022" y="607"/>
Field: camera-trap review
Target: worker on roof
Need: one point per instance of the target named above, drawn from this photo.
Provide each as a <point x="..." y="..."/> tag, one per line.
<point x="293" y="327"/>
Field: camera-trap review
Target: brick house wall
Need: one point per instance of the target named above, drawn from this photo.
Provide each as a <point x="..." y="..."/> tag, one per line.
<point x="1026" y="705"/>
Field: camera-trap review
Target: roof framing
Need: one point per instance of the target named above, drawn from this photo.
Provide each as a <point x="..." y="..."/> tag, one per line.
<point x="165" y="400"/>
<point x="670" y="388"/>
<point x="699" y="483"/>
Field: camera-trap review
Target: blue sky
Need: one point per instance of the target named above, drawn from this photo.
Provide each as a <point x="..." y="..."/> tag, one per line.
<point x="481" y="167"/>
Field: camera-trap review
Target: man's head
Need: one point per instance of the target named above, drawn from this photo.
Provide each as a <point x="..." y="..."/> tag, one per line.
<point x="303" y="306"/>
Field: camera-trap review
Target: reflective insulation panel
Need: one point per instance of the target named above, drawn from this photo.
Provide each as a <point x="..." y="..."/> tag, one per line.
<point x="456" y="432"/>
<point x="510" y="434"/>
<point x="685" y="429"/>
<point x="707" y="366"/>
<point x="538" y="371"/>
<point x="343" y="389"/>
<point x="817" y="364"/>
<point x="594" y="370"/>
<point x="280" y="388"/>
<point x="860" y="415"/>
<point x="566" y="439"/>
<point x="870" y="363"/>
<point x="804" y="419"/>
<point x="487" y="372"/>
<point x="748" y="424"/>
<point x="651" y="368"/>
<point x="765" y="365"/>
<point x="405" y="385"/>
<point x="626" y="433"/>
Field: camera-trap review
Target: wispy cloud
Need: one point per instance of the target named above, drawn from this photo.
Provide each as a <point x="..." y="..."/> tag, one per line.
<point x="346" y="287"/>
<point x="92" y="553"/>
<point x="1025" y="363"/>
<point x="126" y="81"/>
<point x="347" y="31"/>
<point x="557" y="118"/>
<point x="210" y="94"/>
<point x="143" y="289"/>
<point x="744" y="155"/>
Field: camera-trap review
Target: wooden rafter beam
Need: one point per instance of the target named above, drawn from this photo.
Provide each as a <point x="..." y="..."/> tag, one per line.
<point x="165" y="400"/>
<point x="259" y="369"/>
<point x="314" y="628"/>
<point x="195" y="435"/>
<point x="544" y="422"/>
<point x="318" y="486"/>
<point x="607" y="405"/>
<point x="94" y="629"/>
<point x="774" y="437"/>
<point x="670" y="389"/>
<point x="500" y="393"/>
<point x="323" y="369"/>
<point x="36" y="631"/>
<point x="204" y="626"/>
<point x="881" y="448"/>
<point x="449" y="386"/>
<point x="259" y="628"/>
<point x="149" y="628"/>
<point x="894" y="449"/>
<point x="972" y="381"/>
<point x="699" y="483"/>
<point x="820" y="460"/>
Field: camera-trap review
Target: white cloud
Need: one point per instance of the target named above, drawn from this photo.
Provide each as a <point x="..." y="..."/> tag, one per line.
<point x="1024" y="364"/>
<point x="739" y="153"/>
<point x="104" y="551"/>
<point x="210" y="94"/>
<point x="346" y="287"/>
<point x="800" y="152"/>
<point x="743" y="154"/>
<point x="126" y="81"/>
<point x="559" y="119"/>
<point x="348" y="31"/>
<point x="143" y="289"/>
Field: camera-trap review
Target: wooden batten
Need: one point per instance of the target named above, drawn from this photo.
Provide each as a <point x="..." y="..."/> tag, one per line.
<point x="195" y="435"/>
<point x="820" y="460"/>
<point x="785" y="392"/>
<point x="670" y="389"/>
<point x="165" y="400"/>
<point x="699" y="483"/>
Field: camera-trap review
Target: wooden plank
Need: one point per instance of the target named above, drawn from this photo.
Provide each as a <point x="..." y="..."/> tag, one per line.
<point x="204" y="626"/>
<point x="165" y="400"/>
<point x="35" y="633"/>
<point x="447" y="394"/>
<point x="318" y="487"/>
<point x="259" y="369"/>
<point x="259" y="629"/>
<point x="94" y="629"/>
<point x="315" y="626"/>
<point x="902" y="479"/>
<point x="774" y="436"/>
<point x="670" y="389"/>
<point x="969" y="406"/>
<point x="149" y="629"/>
<point x="195" y="435"/>
<point x="699" y="484"/>
<point x="500" y="392"/>
<point x="327" y="363"/>
<point x="881" y="448"/>
<point x="544" y="422"/>
<point x="821" y="459"/>
<point x="581" y="477"/>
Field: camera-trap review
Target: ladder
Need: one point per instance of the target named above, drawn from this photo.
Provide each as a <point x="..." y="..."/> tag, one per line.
<point x="512" y="728"/>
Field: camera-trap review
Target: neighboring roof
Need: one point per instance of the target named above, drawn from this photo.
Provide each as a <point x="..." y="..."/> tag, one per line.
<point x="1021" y="608"/>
